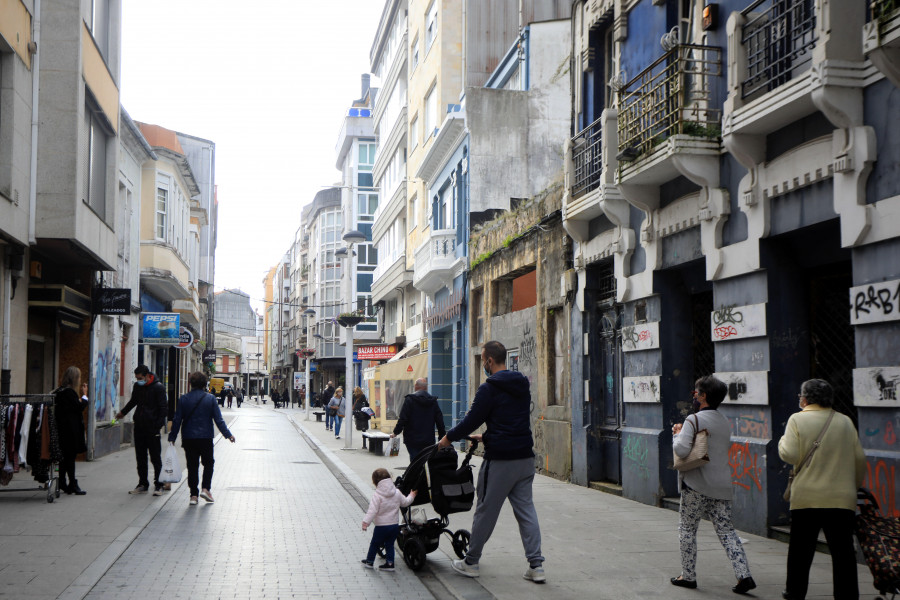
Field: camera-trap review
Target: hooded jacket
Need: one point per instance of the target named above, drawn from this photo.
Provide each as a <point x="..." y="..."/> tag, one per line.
<point x="503" y="403"/>
<point x="152" y="408"/>
<point x="419" y="416"/>
<point x="384" y="507"/>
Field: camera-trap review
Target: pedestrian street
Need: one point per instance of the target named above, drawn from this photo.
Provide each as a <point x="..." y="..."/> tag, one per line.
<point x="282" y="526"/>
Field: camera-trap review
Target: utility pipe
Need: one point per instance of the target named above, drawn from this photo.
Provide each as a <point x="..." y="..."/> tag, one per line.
<point x="35" y="96"/>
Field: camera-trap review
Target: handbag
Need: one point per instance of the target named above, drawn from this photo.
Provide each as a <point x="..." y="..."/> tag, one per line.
<point x="806" y="459"/>
<point x="699" y="454"/>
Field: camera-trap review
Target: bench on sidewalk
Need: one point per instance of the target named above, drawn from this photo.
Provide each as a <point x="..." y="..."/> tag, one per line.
<point x="376" y="441"/>
<point x="319" y="414"/>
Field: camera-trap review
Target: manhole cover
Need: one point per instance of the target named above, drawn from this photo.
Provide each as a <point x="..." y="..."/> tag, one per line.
<point x="257" y="450"/>
<point x="249" y="488"/>
<point x="306" y="462"/>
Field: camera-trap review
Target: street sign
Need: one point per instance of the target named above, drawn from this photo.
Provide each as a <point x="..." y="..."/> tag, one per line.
<point x="160" y="328"/>
<point x="298" y="380"/>
<point x="186" y="338"/>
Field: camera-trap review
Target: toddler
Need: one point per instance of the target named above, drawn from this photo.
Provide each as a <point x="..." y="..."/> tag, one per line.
<point x="384" y="511"/>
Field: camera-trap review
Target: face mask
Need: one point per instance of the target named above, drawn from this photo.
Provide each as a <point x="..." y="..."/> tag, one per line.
<point x="141" y="382"/>
<point x="695" y="405"/>
<point x="487" y="372"/>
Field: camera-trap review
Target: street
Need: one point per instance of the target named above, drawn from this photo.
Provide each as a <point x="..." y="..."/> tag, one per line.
<point x="286" y="524"/>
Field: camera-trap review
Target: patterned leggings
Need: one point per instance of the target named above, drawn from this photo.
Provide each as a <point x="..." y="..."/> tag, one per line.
<point x="695" y="505"/>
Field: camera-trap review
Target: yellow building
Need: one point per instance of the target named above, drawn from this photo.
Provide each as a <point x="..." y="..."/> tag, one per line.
<point x="269" y="284"/>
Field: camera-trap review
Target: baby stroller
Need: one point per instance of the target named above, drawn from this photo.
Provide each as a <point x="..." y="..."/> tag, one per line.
<point x="448" y="489"/>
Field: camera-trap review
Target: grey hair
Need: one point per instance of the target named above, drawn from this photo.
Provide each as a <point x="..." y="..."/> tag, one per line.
<point x="818" y="391"/>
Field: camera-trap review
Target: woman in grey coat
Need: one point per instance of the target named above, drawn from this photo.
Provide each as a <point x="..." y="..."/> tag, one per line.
<point x="706" y="490"/>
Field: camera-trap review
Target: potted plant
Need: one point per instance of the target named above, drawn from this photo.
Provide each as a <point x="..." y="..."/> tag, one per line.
<point x="350" y="319"/>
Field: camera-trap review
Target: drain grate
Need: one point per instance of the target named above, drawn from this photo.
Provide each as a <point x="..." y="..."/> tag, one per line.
<point x="305" y="462"/>
<point x="249" y="488"/>
<point x="256" y="450"/>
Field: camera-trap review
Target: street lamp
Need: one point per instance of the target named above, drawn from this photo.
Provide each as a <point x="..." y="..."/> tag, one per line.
<point x="307" y="314"/>
<point x="351" y="238"/>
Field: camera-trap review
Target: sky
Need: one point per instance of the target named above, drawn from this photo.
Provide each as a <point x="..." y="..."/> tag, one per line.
<point x="269" y="87"/>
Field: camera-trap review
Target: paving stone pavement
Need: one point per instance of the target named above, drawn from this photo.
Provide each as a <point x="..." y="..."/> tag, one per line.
<point x="282" y="526"/>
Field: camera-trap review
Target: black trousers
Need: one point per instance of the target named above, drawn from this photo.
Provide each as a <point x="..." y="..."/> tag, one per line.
<point x="195" y="452"/>
<point x="147" y="442"/>
<point x="66" y="471"/>
<point x="838" y="526"/>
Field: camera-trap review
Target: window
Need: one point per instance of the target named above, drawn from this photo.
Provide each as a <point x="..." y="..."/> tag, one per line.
<point x="413" y="318"/>
<point x="431" y="25"/>
<point x="162" y="211"/>
<point x="478" y="316"/>
<point x="367" y="204"/>
<point x="100" y="26"/>
<point x="95" y="194"/>
<point x="415" y="52"/>
<point x="411" y="213"/>
<point x="430" y="112"/>
<point x="414" y="132"/>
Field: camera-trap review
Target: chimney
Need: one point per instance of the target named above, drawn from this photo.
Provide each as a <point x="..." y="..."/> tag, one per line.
<point x="365" y="85"/>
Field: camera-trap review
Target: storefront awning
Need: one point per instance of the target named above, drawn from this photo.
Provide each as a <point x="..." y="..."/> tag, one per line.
<point x="410" y="350"/>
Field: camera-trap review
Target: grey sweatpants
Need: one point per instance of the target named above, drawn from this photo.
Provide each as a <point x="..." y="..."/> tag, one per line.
<point x="497" y="481"/>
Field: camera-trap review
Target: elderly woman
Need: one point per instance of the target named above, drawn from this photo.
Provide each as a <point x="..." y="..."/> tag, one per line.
<point x="823" y="495"/>
<point x="706" y="490"/>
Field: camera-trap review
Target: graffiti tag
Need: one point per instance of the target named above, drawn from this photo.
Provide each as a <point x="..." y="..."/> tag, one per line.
<point x="636" y="452"/>
<point x="878" y="302"/>
<point x="880" y="481"/>
<point x="755" y="424"/>
<point x="744" y="469"/>
<point x="727" y="314"/>
<point x="724" y="332"/>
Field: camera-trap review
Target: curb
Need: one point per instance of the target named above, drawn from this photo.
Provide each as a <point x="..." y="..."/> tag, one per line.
<point x="92" y="574"/>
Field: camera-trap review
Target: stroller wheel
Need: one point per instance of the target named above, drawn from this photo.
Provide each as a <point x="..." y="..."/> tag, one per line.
<point x="460" y="542"/>
<point x="414" y="553"/>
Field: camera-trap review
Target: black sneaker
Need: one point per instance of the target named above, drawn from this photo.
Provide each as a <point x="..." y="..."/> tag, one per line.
<point x="386" y="566"/>
<point x="367" y="564"/>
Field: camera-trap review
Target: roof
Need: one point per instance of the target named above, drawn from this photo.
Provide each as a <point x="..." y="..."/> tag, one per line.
<point x="160" y="137"/>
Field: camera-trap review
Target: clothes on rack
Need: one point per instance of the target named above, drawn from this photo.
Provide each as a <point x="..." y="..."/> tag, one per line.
<point x="28" y="436"/>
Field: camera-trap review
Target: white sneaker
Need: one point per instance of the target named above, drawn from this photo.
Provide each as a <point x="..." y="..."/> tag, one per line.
<point x="206" y="496"/>
<point x="193" y="501"/>
<point x="464" y="568"/>
<point x="535" y="574"/>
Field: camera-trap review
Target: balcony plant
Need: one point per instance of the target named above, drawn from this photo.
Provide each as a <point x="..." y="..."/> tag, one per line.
<point x="350" y="319"/>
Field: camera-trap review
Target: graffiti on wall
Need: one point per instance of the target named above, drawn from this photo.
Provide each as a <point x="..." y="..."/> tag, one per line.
<point x="640" y="337"/>
<point x="746" y="387"/>
<point x="641" y="389"/>
<point x="528" y="347"/>
<point x="106" y="384"/>
<point x="737" y="322"/>
<point x="746" y="467"/>
<point x="880" y="480"/>
<point x="875" y="303"/>
<point x="876" y="386"/>
<point x="636" y="453"/>
<point x="753" y="424"/>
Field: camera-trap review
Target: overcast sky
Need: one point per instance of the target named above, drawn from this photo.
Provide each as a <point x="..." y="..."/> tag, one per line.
<point x="269" y="87"/>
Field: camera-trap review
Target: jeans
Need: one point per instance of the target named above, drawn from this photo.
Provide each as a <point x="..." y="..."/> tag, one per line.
<point x="328" y="418"/>
<point x="337" y="424"/>
<point x="147" y="442"/>
<point x="384" y="535"/>
<point x="413" y="451"/>
<point x="838" y="526"/>
<point x="195" y="452"/>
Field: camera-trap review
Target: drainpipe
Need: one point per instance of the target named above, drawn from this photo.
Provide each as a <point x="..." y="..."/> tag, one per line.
<point x="5" y="373"/>
<point x="465" y="38"/>
<point x="35" y="94"/>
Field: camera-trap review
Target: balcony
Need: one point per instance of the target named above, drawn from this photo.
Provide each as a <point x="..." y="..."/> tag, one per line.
<point x="667" y="113"/>
<point x="881" y="38"/>
<point x="389" y="277"/>
<point x="587" y="163"/>
<point x="436" y="262"/>
<point x="163" y="273"/>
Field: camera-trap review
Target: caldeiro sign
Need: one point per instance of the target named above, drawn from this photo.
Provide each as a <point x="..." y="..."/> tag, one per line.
<point x="160" y="328"/>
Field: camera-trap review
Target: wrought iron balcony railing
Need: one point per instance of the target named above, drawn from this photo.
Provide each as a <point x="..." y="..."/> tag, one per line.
<point x="670" y="97"/>
<point x="586" y="159"/>
<point x="778" y="37"/>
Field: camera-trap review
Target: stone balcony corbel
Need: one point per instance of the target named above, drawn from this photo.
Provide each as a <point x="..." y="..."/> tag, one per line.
<point x="881" y="40"/>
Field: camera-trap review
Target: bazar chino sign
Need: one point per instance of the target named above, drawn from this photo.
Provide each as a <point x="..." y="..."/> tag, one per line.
<point x="375" y="352"/>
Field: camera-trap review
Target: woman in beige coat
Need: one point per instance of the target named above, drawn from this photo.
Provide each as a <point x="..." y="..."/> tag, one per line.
<point x="823" y="495"/>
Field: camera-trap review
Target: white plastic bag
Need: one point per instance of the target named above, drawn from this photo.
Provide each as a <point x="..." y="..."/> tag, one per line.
<point x="393" y="449"/>
<point x="171" y="471"/>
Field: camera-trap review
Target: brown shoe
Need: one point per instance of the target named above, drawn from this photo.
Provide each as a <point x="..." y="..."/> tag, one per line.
<point x="206" y="496"/>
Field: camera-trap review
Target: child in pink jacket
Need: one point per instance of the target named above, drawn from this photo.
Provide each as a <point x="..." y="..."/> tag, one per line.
<point x="384" y="511"/>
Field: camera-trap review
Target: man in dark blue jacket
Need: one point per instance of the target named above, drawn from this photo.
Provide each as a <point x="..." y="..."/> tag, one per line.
<point x="503" y="404"/>
<point x="196" y="411"/>
<point x="419" y="416"/>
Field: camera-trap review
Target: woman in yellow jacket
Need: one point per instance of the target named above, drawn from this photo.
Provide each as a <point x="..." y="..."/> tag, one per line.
<point x="823" y="495"/>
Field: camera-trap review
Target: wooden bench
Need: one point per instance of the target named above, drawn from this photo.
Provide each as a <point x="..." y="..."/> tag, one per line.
<point x="319" y="414"/>
<point x="376" y="441"/>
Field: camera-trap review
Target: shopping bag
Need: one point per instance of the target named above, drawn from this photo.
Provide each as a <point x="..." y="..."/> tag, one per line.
<point x="393" y="449"/>
<point x="171" y="471"/>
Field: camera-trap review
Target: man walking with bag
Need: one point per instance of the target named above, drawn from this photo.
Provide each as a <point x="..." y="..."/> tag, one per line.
<point x="419" y="416"/>
<point x="503" y="403"/>
<point x="197" y="410"/>
<point x="148" y="397"/>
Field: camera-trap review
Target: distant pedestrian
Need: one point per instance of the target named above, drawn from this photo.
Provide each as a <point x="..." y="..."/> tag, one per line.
<point x="823" y="494"/>
<point x="70" y="425"/>
<point x="503" y="403"/>
<point x="221" y="397"/>
<point x="148" y="398"/>
<point x="239" y="397"/>
<point x="338" y="406"/>
<point x="384" y="512"/>
<point x="230" y="397"/>
<point x="360" y="418"/>
<point x="324" y="399"/>
<point x="197" y="410"/>
<point x="706" y="491"/>
<point x="419" y="416"/>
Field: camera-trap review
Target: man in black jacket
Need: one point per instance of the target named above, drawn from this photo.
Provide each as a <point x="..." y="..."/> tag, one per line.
<point x="149" y="396"/>
<point x="419" y="415"/>
<point x="503" y="404"/>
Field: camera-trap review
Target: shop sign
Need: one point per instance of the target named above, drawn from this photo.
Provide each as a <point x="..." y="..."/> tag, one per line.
<point x="186" y="338"/>
<point x="444" y="310"/>
<point x="209" y="356"/>
<point x="112" y="301"/>
<point x="376" y="352"/>
<point x="160" y="328"/>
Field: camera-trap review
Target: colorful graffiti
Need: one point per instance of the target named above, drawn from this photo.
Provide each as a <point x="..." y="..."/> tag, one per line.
<point x="880" y="480"/>
<point x="106" y="384"/>
<point x="636" y="452"/>
<point x="754" y="424"/>
<point x="745" y="470"/>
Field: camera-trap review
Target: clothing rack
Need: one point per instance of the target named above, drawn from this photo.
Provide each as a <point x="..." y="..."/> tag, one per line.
<point x="52" y="484"/>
